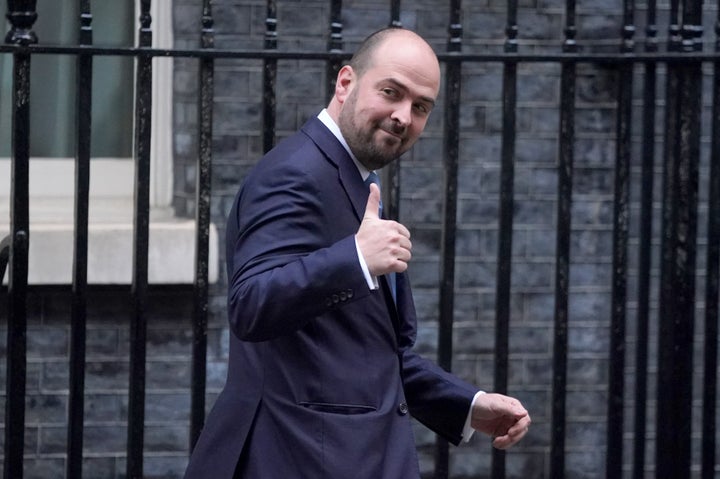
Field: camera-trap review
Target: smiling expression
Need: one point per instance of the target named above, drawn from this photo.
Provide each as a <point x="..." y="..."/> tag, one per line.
<point x="385" y="108"/>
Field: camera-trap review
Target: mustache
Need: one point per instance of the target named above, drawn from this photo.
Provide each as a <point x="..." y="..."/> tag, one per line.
<point x="394" y="128"/>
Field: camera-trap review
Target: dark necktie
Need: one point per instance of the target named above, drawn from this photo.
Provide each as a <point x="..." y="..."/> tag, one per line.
<point x="374" y="178"/>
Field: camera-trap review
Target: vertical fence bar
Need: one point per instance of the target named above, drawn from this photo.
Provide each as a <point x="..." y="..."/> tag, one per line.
<point x="451" y="139"/>
<point x="395" y="13"/>
<point x="644" y="245"/>
<point x="712" y="282"/>
<point x="202" y="220"/>
<point x="4" y="256"/>
<point x="83" y="118"/>
<point x="505" y="222"/>
<point x="335" y="45"/>
<point x="22" y="16"/>
<point x="392" y="180"/>
<point x="677" y="298"/>
<point x="670" y="154"/>
<point x="138" y="323"/>
<point x="269" y="78"/>
<point x="621" y="220"/>
<point x="562" y="264"/>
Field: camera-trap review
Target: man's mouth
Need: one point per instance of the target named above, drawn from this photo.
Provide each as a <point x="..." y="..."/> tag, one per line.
<point x="391" y="132"/>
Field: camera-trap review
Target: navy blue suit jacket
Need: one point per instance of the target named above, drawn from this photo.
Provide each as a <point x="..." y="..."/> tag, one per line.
<point x="321" y="374"/>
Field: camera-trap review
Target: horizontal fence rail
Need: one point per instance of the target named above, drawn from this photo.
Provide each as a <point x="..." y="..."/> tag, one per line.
<point x="598" y="58"/>
<point x="677" y="59"/>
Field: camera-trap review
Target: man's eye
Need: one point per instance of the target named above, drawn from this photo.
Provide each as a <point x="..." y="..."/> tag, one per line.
<point x="389" y="92"/>
<point x="423" y="108"/>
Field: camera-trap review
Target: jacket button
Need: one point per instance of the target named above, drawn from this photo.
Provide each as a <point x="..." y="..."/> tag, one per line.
<point x="403" y="409"/>
<point x="350" y="293"/>
<point x="343" y="296"/>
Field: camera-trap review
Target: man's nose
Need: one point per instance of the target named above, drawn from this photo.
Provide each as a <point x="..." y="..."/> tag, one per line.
<point x="403" y="114"/>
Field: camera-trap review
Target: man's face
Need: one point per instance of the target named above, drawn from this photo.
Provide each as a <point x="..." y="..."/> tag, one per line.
<point x="388" y="106"/>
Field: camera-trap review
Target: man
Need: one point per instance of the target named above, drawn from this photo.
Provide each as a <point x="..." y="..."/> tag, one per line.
<point x="322" y="378"/>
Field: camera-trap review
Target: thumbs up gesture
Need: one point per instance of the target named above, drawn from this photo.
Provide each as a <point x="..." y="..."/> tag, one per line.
<point x="385" y="245"/>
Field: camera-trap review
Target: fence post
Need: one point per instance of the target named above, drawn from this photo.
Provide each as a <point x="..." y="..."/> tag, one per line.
<point x="83" y="119"/>
<point x="22" y="16"/>
<point x="335" y="45"/>
<point x="138" y="321"/>
<point x="562" y="265"/>
<point x="621" y="223"/>
<point x="712" y="281"/>
<point x="202" y="218"/>
<point x="392" y="171"/>
<point x="270" y="78"/>
<point x="644" y="251"/>
<point x="451" y="138"/>
<point x="677" y="273"/>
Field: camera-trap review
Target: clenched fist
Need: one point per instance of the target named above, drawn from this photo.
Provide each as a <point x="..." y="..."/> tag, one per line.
<point x="501" y="417"/>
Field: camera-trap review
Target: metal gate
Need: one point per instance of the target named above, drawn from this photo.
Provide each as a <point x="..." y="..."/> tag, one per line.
<point x="678" y="59"/>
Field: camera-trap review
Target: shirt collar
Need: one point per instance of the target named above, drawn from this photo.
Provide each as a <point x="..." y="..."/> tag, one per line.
<point x="327" y="120"/>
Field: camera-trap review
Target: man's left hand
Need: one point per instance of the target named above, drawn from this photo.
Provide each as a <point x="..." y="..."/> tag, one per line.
<point x="501" y="417"/>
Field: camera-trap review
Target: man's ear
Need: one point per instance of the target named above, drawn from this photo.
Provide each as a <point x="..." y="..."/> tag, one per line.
<point x="345" y="83"/>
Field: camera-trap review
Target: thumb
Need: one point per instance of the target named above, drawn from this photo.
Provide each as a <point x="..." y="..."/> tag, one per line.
<point x="519" y="412"/>
<point x="373" y="202"/>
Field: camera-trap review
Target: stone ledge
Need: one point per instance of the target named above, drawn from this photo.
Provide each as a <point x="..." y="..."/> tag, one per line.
<point x="171" y="253"/>
<point x="110" y="231"/>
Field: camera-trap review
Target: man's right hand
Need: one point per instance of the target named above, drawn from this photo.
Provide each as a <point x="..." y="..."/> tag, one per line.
<point x="385" y="245"/>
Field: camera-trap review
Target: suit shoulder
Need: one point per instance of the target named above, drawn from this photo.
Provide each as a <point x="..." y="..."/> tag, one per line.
<point x="296" y="153"/>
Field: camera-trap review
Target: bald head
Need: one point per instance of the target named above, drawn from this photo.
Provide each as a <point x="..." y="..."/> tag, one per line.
<point x="391" y="37"/>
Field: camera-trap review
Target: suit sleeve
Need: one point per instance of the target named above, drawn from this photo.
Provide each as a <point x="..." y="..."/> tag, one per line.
<point x="437" y="398"/>
<point x="285" y="267"/>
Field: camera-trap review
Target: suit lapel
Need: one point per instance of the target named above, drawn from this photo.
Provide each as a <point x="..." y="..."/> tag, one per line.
<point x="353" y="185"/>
<point x="348" y="173"/>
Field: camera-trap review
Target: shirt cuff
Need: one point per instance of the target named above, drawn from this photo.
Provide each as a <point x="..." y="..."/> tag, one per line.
<point x="371" y="280"/>
<point x="468" y="430"/>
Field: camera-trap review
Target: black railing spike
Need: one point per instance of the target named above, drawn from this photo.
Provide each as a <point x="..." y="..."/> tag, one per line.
<point x="139" y="287"/>
<point x="335" y="45"/>
<point x="22" y="16"/>
<point x="76" y="386"/>
<point x="393" y="170"/>
<point x="451" y="138"/>
<point x="712" y="285"/>
<point x="566" y="156"/>
<point x="395" y="14"/>
<point x="678" y="260"/>
<point x="644" y="250"/>
<point x="206" y="79"/>
<point x="270" y="67"/>
<point x="621" y="225"/>
<point x="4" y="256"/>
<point x="506" y="211"/>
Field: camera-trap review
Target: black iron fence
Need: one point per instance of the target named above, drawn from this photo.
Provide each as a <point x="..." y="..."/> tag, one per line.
<point x="681" y="54"/>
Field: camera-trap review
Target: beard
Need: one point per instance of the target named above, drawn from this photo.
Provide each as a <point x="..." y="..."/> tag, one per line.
<point x="372" y="152"/>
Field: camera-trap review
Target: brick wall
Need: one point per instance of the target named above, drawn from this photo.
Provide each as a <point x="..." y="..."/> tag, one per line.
<point x="237" y="146"/>
<point x="541" y="23"/>
<point x="106" y="381"/>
